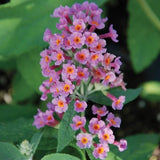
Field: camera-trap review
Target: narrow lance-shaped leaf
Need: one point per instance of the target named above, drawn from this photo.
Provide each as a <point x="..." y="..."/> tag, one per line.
<point x="100" y="98"/>
<point x="65" y="133"/>
<point x="35" y="141"/>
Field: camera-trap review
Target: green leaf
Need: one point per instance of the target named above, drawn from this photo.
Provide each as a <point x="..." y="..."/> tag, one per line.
<point x="140" y="147"/>
<point x="12" y="112"/>
<point x="21" y="90"/>
<point x="75" y="151"/>
<point x="35" y="141"/>
<point x="66" y="133"/>
<point x="49" y="139"/>
<point x="59" y="156"/>
<point x="100" y="98"/>
<point x="151" y="91"/>
<point x="112" y="156"/>
<point x="10" y="152"/>
<point x="143" y="36"/>
<point x="17" y="130"/>
<point x="8" y="64"/>
<point x="23" y="23"/>
<point x="29" y="67"/>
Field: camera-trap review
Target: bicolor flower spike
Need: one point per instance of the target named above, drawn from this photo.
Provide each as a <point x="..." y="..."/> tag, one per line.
<point x="74" y="62"/>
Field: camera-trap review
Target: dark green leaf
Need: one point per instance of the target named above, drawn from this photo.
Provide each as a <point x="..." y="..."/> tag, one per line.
<point x="49" y="139"/>
<point x="29" y="67"/>
<point x="65" y="133"/>
<point x="140" y="147"/>
<point x="21" y="90"/>
<point x="9" y="64"/>
<point x="143" y="36"/>
<point x="12" y="112"/>
<point x="100" y="98"/>
<point x="17" y="130"/>
<point x="10" y="152"/>
<point x="59" y="156"/>
<point x="75" y="151"/>
<point x="22" y="24"/>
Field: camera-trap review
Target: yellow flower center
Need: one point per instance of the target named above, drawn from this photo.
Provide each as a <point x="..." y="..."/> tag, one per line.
<point x="46" y="58"/>
<point x="80" y="74"/>
<point x="50" y="80"/>
<point x="98" y="47"/>
<point x="58" y="41"/>
<point x="79" y="123"/>
<point x="66" y="87"/>
<point x="68" y="42"/>
<point x="107" y="77"/>
<point x="77" y="40"/>
<point x="49" y="118"/>
<point x="90" y="39"/>
<point x="94" y="57"/>
<point x="107" y="61"/>
<point x="70" y="70"/>
<point x="118" y="101"/>
<point x="96" y="127"/>
<point x="59" y="56"/>
<point x="94" y="23"/>
<point x="100" y="150"/>
<point x="60" y="103"/>
<point x="84" y="140"/>
<point x="106" y="136"/>
<point x="81" y="56"/>
<point x="79" y="105"/>
<point x="99" y="111"/>
<point x="113" y="121"/>
<point x="78" y="27"/>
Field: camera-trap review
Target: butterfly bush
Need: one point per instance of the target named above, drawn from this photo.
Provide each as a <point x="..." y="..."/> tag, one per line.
<point x="74" y="62"/>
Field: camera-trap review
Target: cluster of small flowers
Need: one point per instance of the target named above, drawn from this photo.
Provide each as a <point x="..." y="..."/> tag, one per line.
<point x="76" y="57"/>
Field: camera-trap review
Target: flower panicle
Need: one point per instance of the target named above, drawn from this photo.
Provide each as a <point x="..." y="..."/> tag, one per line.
<point x="75" y="58"/>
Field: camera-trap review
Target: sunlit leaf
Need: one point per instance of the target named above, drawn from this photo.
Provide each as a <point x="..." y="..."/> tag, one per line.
<point x="59" y="156"/>
<point x="151" y="91"/>
<point x="10" y="152"/>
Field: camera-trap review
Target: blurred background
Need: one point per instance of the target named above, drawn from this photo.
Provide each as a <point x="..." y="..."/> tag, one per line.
<point x="22" y="24"/>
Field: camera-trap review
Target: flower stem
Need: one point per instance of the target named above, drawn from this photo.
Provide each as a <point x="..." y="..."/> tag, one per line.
<point x="150" y="14"/>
